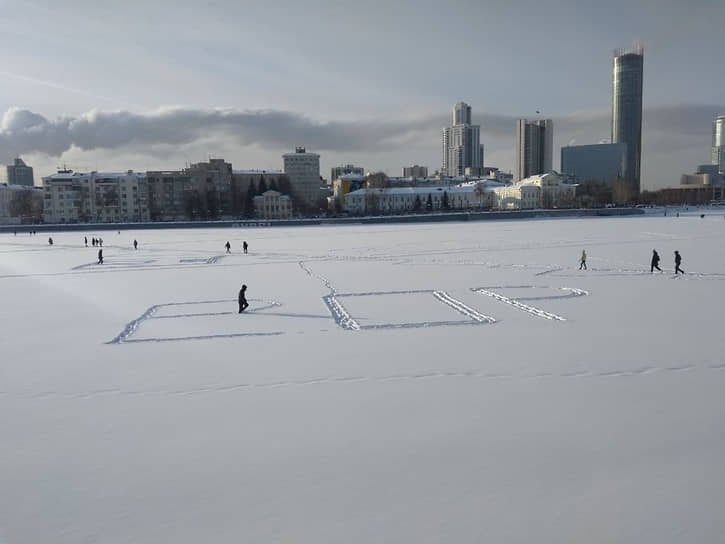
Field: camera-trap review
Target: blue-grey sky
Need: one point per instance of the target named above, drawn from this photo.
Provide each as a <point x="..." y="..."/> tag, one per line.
<point x="115" y="85"/>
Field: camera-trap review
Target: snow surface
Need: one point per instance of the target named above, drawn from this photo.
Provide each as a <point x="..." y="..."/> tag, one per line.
<point x="421" y="383"/>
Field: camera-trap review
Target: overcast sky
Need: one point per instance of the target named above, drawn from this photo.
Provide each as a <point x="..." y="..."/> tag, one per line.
<point x="107" y="85"/>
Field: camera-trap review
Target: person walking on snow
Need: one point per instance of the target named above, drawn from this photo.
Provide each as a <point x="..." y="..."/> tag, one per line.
<point x="135" y="244"/>
<point x="655" y="262"/>
<point x="245" y="246"/>
<point x="243" y="304"/>
<point x="228" y="246"/>
<point x="583" y="260"/>
<point x="678" y="260"/>
<point x="100" y="256"/>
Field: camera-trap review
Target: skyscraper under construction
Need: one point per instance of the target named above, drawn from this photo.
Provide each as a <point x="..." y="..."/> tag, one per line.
<point x="627" y="112"/>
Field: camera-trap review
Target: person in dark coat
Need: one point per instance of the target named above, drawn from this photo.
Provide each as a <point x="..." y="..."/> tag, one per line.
<point x="100" y="256"/>
<point x="85" y="239"/>
<point x="135" y="244"/>
<point x="655" y="263"/>
<point x="245" y="246"/>
<point x="50" y="241"/>
<point x="243" y="304"/>
<point x="228" y="246"/>
<point x="678" y="260"/>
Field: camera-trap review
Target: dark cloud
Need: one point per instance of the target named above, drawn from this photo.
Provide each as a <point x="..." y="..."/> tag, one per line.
<point x="23" y="131"/>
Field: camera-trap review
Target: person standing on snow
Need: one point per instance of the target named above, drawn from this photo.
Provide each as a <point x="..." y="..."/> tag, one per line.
<point x="583" y="260"/>
<point x="245" y="246"/>
<point x="85" y="240"/>
<point x="228" y="246"/>
<point x="655" y="262"/>
<point x="100" y="256"/>
<point x="678" y="260"/>
<point x="243" y="304"/>
<point x="135" y="244"/>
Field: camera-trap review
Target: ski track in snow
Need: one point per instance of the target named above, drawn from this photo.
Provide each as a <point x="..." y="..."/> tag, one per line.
<point x="338" y="312"/>
<point x="344" y="319"/>
<point x="519" y="305"/>
<point x="132" y="326"/>
<point x="355" y="379"/>
<point x="571" y="292"/>
<point x="462" y="308"/>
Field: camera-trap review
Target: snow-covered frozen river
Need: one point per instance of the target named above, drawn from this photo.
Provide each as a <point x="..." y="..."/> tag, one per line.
<point x="459" y="382"/>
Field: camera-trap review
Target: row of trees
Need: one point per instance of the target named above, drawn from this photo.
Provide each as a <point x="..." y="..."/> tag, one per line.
<point x="23" y="205"/>
<point x="209" y="203"/>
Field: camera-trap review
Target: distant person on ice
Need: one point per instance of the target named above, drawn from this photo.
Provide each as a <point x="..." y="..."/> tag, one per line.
<point x="245" y="246"/>
<point x="135" y="244"/>
<point x="243" y="304"/>
<point x="655" y="262"/>
<point x="100" y="256"/>
<point x="85" y="239"/>
<point x="583" y="260"/>
<point x="50" y="241"/>
<point x="228" y="246"/>
<point x="678" y="260"/>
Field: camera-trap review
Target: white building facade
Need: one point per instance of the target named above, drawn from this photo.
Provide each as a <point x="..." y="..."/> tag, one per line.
<point x="272" y="205"/>
<point x="72" y="197"/>
<point x="466" y="197"/>
<point x="535" y="192"/>
<point x="718" y="143"/>
<point x="303" y="170"/>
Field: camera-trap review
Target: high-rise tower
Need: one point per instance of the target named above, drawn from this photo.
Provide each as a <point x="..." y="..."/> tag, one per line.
<point x="534" y="147"/>
<point x="627" y="111"/>
<point x="461" y="114"/>
<point x="718" y="143"/>
<point x="461" y="143"/>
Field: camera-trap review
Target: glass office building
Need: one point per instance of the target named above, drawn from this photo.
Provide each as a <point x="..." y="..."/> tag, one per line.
<point x="627" y="110"/>
<point x="598" y="163"/>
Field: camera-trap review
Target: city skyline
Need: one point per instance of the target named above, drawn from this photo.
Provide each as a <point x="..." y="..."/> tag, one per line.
<point x="377" y="114"/>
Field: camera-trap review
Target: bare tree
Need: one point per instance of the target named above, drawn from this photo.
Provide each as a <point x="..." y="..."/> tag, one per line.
<point x="378" y="180"/>
<point x="372" y="202"/>
<point x="21" y="204"/>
